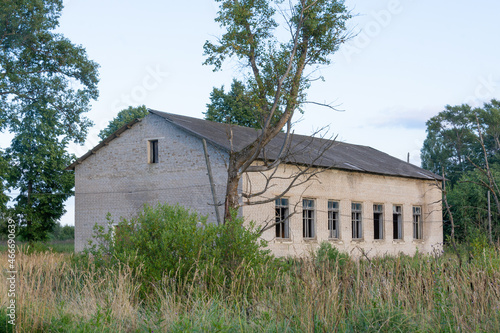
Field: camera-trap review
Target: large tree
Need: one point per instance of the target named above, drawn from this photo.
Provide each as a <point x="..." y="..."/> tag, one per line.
<point x="46" y="85"/>
<point x="278" y="70"/>
<point x="452" y="143"/>
<point x="463" y="143"/>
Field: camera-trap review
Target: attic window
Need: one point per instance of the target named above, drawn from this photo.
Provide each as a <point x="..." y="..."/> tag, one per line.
<point x="153" y="151"/>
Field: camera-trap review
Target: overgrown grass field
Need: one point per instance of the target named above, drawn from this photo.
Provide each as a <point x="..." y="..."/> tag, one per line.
<point x="64" y="293"/>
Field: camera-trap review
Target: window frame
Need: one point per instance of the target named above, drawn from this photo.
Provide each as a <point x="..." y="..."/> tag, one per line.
<point x="153" y="151"/>
<point x="397" y="223"/>
<point x="356" y="220"/>
<point x="333" y="219"/>
<point x="309" y="222"/>
<point x="378" y="217"/>
<point x="282" y="227"/>
<point x="417" y="223"/>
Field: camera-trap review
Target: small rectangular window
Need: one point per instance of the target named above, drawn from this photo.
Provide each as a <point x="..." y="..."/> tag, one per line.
<point x="357" y="221"/>
<point x="333" y="219"/>
<point x="282" y="227"/>
<point x="397" y="222"/>
<point x="417" y="222"/>
<point x="153" y="151"/>
<point x="308" y="218"/>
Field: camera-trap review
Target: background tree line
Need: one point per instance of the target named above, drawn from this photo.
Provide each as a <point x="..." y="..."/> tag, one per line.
<point x="463" y="145"/>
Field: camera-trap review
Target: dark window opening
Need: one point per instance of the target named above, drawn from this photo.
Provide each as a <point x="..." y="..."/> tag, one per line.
<point x="153" y="151"/>
<point x="308" y="218"/>
<point x="378" y="222"/>
<point x="397" y="217"/>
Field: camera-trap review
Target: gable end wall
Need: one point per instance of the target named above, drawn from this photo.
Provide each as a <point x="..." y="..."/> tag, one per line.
<point x="118" y="179"/>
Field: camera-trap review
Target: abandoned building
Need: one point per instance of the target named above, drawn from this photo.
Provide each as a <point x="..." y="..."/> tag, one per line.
<point x="358" y="198"/>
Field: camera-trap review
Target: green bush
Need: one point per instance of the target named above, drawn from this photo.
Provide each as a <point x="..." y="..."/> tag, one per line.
<point x="330" y="255"/>
<point x="174" y="242"/>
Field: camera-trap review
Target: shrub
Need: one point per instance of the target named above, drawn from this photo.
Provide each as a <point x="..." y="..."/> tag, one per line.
<point x="330" y="255"/>
<point x="175" y="242"/>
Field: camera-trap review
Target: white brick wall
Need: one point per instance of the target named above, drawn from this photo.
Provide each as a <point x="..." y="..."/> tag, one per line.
<point x="347" y="187"/>
<point x="118" y="179"/>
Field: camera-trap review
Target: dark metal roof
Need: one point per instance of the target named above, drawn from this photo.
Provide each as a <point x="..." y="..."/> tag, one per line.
<point x="304" y="150"/>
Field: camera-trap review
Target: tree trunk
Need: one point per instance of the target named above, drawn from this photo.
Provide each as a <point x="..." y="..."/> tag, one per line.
<point x="233" y="180"/>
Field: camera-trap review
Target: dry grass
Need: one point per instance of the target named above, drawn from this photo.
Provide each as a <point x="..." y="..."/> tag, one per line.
<point x="421" y="293"/>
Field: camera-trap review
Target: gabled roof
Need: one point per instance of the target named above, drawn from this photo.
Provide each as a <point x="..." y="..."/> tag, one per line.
<point x="304" y="150"/>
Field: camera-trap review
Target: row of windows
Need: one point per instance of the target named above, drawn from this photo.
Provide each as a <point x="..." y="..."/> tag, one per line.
<point x="309" y="220"/>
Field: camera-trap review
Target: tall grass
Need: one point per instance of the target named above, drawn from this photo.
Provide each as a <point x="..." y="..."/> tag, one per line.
<point x="391" y="294"/>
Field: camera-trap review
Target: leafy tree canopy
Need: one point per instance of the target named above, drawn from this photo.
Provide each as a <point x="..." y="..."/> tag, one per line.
<point x="453" y="140"/>
<point x="464" y="142"/>
<point x="123" y="117"/>
<point x="46" y="85"/>
<point x="235" y="107"/>
<point x="278" y="68"/>
<point x="277" y="61"/>
<point x="38" y="66"/>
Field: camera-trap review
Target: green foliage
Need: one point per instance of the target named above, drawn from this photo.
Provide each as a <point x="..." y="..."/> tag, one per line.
<point x="461" y="141"/>
<point x="66" y="232"/>
<point x="124" y="117"/>
<point x="420" y="293"/>
<point x="4" y="169"/>
<point x="278" y="68"/>
<point x="469" y="205"/>
<point x="330" y="255"/>
<point x="383" y="319"/>
<point x="5" y="327"/>
<point x="39" y="68"/>
<point x="46" y="85"/>
<point x="174" y="242"/>
<point x="38" y="160"/>
<point x="451" y="141"/>
<point x="235" y="107"/>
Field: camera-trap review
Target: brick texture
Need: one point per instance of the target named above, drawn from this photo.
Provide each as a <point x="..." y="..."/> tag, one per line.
<point x="346" y="188"/>
<point x="118" y="179"/>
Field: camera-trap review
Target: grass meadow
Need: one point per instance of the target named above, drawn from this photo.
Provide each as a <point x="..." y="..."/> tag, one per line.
<point x="59" y="292"/>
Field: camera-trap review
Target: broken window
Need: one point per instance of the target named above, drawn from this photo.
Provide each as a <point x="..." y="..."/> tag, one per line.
<point x="333" y="219"/>
<point x="282" y="229"/>
<point x="153" y="151"/>
<point x="378" y="222"/>
<point x="397" y="222"/>
<point x="417" y="222"/>
<point x="357" y="229"/>
<point x="308" y="218"/>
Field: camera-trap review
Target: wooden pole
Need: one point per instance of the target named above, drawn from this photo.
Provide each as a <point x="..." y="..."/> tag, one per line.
<point x="211" y="179"/>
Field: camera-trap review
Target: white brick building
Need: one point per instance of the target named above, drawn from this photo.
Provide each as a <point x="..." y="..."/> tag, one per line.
<point x="363" y="199"/>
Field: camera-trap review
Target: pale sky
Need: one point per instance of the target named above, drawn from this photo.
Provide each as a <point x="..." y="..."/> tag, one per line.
<point x="409" y="59"/>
